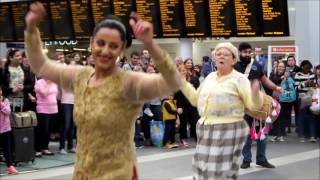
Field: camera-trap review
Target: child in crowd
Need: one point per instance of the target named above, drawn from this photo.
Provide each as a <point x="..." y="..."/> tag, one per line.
<point x="170" y="112"/>
<point x="5" y="132"/>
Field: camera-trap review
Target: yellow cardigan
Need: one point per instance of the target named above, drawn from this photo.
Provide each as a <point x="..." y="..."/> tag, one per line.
<point x="222" y="99"/>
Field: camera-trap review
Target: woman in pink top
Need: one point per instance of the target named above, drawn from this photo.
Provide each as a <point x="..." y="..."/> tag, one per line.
<point x="5" y="132"/>
<point x="47" y="108"/>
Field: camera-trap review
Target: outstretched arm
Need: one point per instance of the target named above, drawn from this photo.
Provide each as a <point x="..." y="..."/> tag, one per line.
<point x="39" y="62"/>
<point x="140" y="86"/>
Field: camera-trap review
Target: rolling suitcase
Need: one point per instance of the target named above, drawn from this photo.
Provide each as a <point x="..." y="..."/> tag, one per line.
<point x="23" y="141"/>
<point x="23" y="134"/>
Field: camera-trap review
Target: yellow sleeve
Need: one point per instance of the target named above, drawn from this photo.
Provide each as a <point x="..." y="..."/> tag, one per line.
<point x="252" y="101"/>
<point x="190" y="93"/>
<point x="45" y="68"/>
<point x="141" y="87"/>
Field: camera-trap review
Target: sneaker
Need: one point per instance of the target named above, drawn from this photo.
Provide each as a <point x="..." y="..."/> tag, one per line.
<point x="281" y="139"/>
<point x="274" y="138"/>
<point x="265" y="164"/>
<point x="148" y="112"/>
<point x="73" y="150"/>
<point x="38" y="154"/>
<point x="174" y="145"/>
<point x="12" y="170"/>
<point x="301" y="140"/>
<point x="312" y="139"/>
<point x="184" y="143"/>
<point x="63" y="151"/>
<point x="245" y="165"/>
<point x="139" y="146"/>
<point x="168" y="146"/>
<point x="47" y="153"/>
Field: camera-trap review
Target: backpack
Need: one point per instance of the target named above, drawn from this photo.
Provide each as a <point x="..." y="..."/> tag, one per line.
<point x="289" y="92"/>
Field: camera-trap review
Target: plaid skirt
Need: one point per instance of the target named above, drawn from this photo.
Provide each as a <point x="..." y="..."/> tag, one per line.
<point x="218" y="150"/>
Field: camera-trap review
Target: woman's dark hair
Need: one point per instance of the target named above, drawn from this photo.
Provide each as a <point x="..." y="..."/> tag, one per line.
<point x="3" y="91"/>
<point x="317" y="67"/>
<point x="114" y="22"/>
<point x="305" y="62"/>
<point x="10" y="54"/>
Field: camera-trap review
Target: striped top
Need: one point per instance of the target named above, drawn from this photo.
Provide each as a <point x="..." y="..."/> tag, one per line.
<point x="301" y="81"/>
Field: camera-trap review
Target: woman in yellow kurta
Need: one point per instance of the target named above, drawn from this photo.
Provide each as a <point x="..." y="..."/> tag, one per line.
<point x="107" y="99"/>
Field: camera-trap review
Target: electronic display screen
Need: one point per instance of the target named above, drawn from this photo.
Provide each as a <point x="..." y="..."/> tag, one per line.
<point x="171" y="21"/>
<point x="195" y="18"/>
<point x="221" y="18"/>
<point x="19" y="11"/>
<point x="81" y="19"/>
<point x="61" y="20"/>
<point x="6" y="23"/>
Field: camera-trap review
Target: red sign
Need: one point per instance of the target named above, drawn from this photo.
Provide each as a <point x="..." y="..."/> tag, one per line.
<point x="283" y="49"/>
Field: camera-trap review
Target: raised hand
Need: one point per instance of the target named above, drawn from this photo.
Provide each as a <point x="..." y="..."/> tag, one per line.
<point x="36" y="13"/>
<point x="142" y="30"/>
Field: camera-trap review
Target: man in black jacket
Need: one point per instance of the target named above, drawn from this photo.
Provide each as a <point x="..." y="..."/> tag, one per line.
<point x="256" y="72"/>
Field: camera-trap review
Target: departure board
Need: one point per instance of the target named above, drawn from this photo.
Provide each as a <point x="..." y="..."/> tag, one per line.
<point x="45" y="25"/>
<point x="100" y="9"/>
<point x="275" y="18"/>
<point x="171" y="21"/>
<point x="195" y="13"/>
<point x="81" y="19"/>
<point x="6" y="23"/>
<point x="246" y="13"/>
<point x="122" y="9"/>
<point x="221" y="18"/>
<point x="148" y="10"/>
<point x="19" y="10"/>
<point x="61" y="20"/>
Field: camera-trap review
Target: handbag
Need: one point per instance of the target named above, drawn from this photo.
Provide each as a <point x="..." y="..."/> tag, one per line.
<point x="157" y="132"/>
<point x="315" y="106"/>
<point x="22" y="119"/>
<point x="265" y="111"/>
<point x="305" y="99"/>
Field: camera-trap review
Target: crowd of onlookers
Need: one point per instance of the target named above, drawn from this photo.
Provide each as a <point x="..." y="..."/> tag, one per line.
<point x="54" y="106"/>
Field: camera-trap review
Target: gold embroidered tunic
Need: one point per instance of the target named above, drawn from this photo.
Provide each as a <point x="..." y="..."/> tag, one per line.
<point x="104" y="114"/>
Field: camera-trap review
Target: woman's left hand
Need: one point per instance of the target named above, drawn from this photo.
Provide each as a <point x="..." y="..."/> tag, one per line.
<point x="142" y="30"/>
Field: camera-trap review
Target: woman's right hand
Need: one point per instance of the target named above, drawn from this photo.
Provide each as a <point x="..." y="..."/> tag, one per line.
<point x="36" y="14"/>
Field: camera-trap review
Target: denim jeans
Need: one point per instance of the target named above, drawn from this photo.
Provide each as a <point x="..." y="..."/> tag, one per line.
<point x="67" y="130"/>
<point x="261" y="146"/>
<point x="261" y="150"/>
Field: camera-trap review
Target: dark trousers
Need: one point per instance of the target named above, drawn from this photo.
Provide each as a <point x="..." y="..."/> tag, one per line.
<point x="189" y="116"/>
<point x="307" y="123"/>
<point x="283" y="120"/>
<point x="138" y="138"/>
<point x="169" y="131"/>
<point x="42" y="131"/>
<point x="56" y="122"/>
<point x="5" y="143"/>
<point x="67" y="129"/>
<point x="296" y="112"/>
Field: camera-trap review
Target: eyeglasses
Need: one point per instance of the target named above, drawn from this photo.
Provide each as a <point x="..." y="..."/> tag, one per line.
<point x="223" y="54"/>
